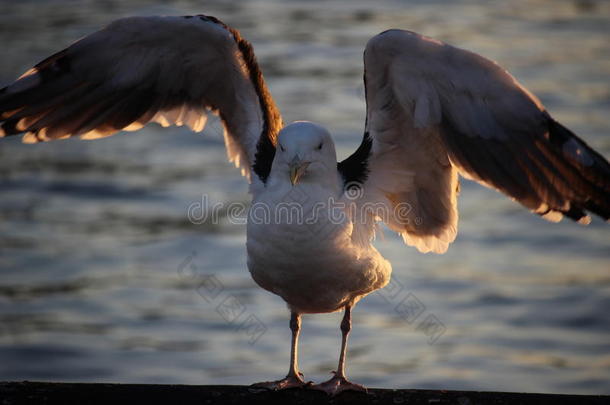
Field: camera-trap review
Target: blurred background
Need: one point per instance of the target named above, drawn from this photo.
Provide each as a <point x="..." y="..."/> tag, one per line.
<point x="103" y="277"/>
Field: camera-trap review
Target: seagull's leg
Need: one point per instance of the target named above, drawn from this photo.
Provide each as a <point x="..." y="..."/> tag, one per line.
<point x="295" y="327"/>
<point x="339" y="383"/>
<point x="294" y="379"/>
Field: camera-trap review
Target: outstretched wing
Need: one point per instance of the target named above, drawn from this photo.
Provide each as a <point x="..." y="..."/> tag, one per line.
<point x="434" y="110"/>
<point x="170" y="70"/>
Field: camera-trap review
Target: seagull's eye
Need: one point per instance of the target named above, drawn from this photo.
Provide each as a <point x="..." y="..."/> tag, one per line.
<point x="319" y="146"/>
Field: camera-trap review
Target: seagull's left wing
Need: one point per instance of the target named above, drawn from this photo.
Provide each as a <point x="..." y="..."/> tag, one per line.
<point x="169" y="70"/>
<point x="434" y="110"/>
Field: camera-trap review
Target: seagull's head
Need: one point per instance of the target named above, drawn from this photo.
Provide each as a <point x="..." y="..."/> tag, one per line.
<point x="305" y="153"/>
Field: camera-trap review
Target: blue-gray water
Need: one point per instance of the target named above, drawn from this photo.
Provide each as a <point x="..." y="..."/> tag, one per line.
<point x="93" y="234"/>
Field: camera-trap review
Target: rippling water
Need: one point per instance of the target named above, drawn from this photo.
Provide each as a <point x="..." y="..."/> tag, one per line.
<point x="103" y="278"/>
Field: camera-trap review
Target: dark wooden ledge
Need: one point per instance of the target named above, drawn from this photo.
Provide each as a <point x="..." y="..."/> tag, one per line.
<point x="39" y="393"/>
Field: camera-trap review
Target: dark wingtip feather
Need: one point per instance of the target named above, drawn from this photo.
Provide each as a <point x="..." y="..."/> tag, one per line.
<point x="28" y="90"/>
<point x="592" y="168"/>
<point x="561" y="137"/>
<point x="9" y="128"/>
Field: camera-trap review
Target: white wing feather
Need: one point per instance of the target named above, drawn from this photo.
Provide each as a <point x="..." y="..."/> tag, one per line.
<point x="169" y="70"/>
<point x="433" y="109"/>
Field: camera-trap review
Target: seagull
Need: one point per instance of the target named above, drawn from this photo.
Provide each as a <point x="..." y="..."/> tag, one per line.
<point x="434" y="112"/>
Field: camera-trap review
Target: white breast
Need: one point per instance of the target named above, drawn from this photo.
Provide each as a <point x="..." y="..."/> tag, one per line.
<point x="300" y="248"/>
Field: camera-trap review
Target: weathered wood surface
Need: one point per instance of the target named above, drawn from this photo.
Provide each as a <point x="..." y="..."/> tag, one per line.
<point x="15" y="393"/>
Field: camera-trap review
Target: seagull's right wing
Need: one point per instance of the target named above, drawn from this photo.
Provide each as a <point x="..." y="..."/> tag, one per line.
<point x="171" y="70"/>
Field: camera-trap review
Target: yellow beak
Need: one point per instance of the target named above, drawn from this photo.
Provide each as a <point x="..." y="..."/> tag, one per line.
<point x="297" y="169"/>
